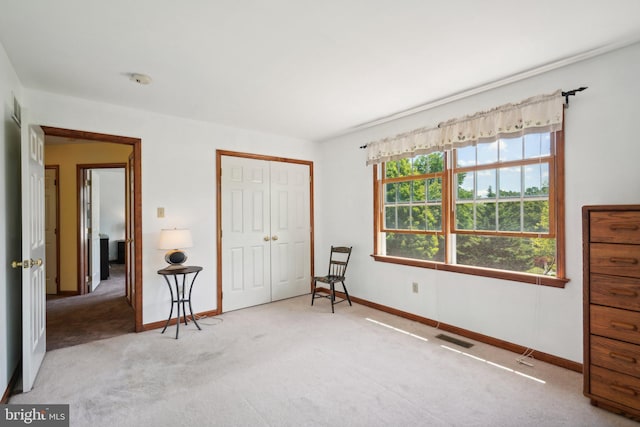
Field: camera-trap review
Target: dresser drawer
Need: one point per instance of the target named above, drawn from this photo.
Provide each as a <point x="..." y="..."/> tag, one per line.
<point x="615" y="323"/>
<point x="621" y="292"/>
<point x="618" y="356"/>
<point x="619" y="260"/>
<point x="615" y="227"/>
<point x="616" y="387"/>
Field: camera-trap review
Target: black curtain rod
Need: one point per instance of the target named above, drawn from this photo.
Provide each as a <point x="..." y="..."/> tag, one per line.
<point x="566" y="95"/>
<point x="573" y="92"/>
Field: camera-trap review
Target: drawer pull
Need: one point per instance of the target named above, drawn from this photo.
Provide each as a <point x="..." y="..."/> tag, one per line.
<point x="616" y="227"/>
<point x="625" y="390"/>
<point x="623" y="325"/>
<point x="623" y="292"/>
<point x="621" y="260"/>
<point x="622" y="357"/>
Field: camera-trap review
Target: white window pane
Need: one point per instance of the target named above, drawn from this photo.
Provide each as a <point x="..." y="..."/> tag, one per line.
<point x="486" y="188"/>
<point x="465" y="185"/>
<point x="466" y="156"/>
<point x="510" y="182"/>
<point x="487" y="153"/>
<point x="536" y="180"/>
<point x="510" y="149"/>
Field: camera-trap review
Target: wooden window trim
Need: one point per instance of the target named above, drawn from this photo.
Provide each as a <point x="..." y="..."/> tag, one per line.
<point x="556" y="224"/>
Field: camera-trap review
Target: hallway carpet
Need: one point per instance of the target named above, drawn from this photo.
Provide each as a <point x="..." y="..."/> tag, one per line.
<point x="102" y="314"/>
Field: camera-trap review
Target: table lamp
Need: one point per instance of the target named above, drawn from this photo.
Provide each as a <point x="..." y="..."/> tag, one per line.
<point x="175" y="240"/>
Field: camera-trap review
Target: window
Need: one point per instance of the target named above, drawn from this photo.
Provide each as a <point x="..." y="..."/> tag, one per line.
<point x="490" y="209"/>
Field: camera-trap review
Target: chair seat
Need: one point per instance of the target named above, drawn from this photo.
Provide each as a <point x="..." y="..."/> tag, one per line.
<point x="329" y="279"/>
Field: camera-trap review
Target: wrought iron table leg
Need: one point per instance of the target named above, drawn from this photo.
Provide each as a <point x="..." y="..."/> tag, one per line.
<point x="193" y="316"/>
<point x="178" y="304"/>
<point x="170" y="311"/>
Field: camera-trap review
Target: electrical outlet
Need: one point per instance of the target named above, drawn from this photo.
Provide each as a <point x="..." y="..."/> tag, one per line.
<point x="160" y="212"/>
<point x="414" y="287"/>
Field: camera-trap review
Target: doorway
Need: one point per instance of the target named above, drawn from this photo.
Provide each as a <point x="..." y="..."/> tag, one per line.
<point x="52" y="227"/>
<point x="133" y="189"/>
<point x="102" y="222"/>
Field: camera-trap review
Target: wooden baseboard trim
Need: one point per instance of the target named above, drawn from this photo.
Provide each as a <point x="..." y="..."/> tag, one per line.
<point x="506" y="345"/>
<point x="68" y="293"/>
<point x="161" y="323"/>
<point x="11" y="385"/>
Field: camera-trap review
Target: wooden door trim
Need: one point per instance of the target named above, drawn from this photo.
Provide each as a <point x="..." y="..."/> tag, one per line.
<point x="136" y="143"/>
<point x="219" y="154"/>
<point x="56" y="169"/>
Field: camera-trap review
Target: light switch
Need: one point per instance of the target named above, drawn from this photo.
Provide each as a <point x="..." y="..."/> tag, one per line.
<point x="160" y="212"/>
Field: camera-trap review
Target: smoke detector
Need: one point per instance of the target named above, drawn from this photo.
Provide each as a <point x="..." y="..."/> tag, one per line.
<point x="142" y="79"/>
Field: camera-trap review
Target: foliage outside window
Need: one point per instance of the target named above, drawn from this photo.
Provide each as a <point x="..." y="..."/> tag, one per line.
<point x="486" y="209"/>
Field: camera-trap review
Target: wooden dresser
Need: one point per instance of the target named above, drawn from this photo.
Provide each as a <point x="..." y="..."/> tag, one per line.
<point x="611" y="245"/>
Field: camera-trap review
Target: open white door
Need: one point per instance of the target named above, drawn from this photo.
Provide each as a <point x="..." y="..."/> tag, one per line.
<point x="94" y="229"/>
<point x="33" y="255"/>
<point x="130" y="231"/>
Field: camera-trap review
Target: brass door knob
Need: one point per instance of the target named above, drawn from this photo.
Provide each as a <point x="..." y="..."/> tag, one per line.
<point x="27" y="263"/>
<point x="17" y="264"/>
<point x="274" y="238"/>
<point x="266" y="238"/>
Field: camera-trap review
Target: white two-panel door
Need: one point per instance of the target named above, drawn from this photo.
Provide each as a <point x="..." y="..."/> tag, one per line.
<point x="266" y="231"/>
<point x="94" y="229"/>
<point x="33" y="254"/>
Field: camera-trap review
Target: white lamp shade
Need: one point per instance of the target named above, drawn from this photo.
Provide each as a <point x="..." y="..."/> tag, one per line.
<point x="175" y="238"/>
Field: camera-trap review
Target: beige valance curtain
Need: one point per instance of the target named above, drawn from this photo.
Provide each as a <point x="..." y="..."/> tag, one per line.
<point x="542" y="113"/>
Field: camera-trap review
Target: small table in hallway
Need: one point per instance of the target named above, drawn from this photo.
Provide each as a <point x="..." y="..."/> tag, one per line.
<point x="179" y="297"/>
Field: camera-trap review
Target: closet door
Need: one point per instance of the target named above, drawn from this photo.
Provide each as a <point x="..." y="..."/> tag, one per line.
<point x="290" y="230"/>
<point x="246" y="237"/>
<point x="266" y="232"/>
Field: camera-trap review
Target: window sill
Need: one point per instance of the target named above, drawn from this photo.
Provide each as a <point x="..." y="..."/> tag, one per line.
<point x="476" y="271"/>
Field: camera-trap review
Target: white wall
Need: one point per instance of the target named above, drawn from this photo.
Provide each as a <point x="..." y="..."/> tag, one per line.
<point x="10" y="225"/>
<point x="112" y="202"/>
<point x="178" y="173"/>
<point x="602" y="156"/>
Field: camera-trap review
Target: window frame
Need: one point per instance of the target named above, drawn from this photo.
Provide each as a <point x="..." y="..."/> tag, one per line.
<point x="556" y="219"/>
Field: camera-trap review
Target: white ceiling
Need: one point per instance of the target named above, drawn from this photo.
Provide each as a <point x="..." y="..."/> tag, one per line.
<point x="303" y="68"/>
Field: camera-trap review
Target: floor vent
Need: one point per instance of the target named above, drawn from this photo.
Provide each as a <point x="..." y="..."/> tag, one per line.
<point x="454" y="341"/>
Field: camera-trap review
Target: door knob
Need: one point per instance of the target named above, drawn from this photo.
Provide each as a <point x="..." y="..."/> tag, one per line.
<point x="266" y="238"/>
<point x="274" y="238"/>
<point x="27" y="263"/>
<point x="23" y="264"/>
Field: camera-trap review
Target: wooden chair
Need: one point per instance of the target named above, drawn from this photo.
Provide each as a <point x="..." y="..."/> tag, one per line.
<point x="337" y="268"/>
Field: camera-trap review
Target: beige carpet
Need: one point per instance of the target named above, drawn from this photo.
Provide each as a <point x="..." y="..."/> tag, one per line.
<point x="290" y="364"/>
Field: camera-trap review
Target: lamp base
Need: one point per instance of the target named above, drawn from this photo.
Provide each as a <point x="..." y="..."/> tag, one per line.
<point x="175" y="258"/>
